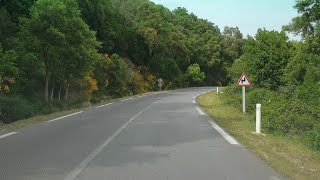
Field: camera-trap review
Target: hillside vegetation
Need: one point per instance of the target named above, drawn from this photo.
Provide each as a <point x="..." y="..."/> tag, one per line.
<point x="285" y="76"/>
<point x="58" y="54"/>
<point x="61" y="54"/>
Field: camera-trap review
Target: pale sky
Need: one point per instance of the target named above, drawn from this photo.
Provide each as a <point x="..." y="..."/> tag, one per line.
<point x="248" y="15"/>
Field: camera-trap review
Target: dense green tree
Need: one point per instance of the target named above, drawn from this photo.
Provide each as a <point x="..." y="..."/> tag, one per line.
<point x="100" y="15"/>
<point x="267" y="55"/>
<point x="119" y="76"/>
<point x="232" y="44"/>
<point x="194" y="74"/>
<point x="17" y="8"/>
<point x="59" y="37"/>
<point x="309" y="17"/>
<point x="7" y="27"/>
<point x="165" y="68"/>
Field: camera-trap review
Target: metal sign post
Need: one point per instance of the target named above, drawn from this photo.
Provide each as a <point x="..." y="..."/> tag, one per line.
<point x="243" y="82"/>
<point x="243" y="99"/>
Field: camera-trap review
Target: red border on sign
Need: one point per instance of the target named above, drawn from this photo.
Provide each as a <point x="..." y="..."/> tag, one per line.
<point x="243" y="75"/>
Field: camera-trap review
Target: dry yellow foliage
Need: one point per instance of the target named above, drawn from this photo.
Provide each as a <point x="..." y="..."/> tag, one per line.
<point x="91" y="86"/>
<point x="6" y="88"/>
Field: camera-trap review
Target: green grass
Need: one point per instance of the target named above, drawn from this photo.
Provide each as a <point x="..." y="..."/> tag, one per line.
<point x="285" y="154"/>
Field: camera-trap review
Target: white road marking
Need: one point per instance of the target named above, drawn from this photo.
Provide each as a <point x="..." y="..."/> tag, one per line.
<point x="225" y="135"/>
<point x="158" y="101"/>
<point x="203" y="93"/>
<point x="65" y="116"/>
<point x="103" y="105"/>
<point x="78" y="169"/>
<point x="6" y="135"/>
<point x="126" y="99"/>
<point x="200" y="111"/>
<point x="194" y="101"/>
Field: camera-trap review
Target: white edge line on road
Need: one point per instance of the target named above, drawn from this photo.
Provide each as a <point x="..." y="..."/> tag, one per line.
<point x="194" y="101"/>
<point x="78" y="169"/>
<point x="126" y="99"/>
<point x="8" y="134"/>
<point x="103" y="105"/>
<point x="225" y="135"/>
<point x="200" y="111"/>
<point x="203" y="93"/>
<point x="65" y="116"/>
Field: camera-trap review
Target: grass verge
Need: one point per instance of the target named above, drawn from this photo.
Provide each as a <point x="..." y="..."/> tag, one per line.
<point x="285" y="154"/>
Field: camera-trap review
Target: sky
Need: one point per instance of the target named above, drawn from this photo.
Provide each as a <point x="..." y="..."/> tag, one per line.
<point x="248" y="15"/>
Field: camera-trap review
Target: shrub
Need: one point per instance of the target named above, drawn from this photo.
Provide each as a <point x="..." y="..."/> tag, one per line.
<point x="232" y="95"/>
<point x="281" y="113"/>
<point x="312" y="139"/>
<point x="137" y="83"/>
<point x="15" y="108"/>
<point x="287" y="116"/>
<point x="261" y="96"/>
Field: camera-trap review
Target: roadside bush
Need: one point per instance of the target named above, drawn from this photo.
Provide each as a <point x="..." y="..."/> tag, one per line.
<point x="312" y="139"/>
<point x="137" y="83"/>
<point x="261" y="96"/>
<point x="287" y="116"/>
<point x="232" y="95"/>
<point x="119" y="77"/>
<point x="281" y="114"/>
<point x="48" y="108"/>
<point x="15" y="108"/>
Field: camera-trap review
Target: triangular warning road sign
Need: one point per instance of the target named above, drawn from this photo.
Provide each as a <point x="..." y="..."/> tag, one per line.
<point x="244" y="81"/>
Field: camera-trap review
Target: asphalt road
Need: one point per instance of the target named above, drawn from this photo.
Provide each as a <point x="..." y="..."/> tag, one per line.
<point x="156" y="137"/>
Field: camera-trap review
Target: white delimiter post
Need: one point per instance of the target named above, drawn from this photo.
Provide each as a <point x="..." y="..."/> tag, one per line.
<point x="217" y="90"/>
<point x="244" y="99"/>
<point x="258" y="119"/>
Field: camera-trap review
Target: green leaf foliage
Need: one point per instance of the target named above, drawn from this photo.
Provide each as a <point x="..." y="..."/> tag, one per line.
<point x="267" y="56"/>
<point x="195" y="76"/>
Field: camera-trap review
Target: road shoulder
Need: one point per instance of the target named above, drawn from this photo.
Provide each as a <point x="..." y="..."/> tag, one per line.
<point x="285" y="154"/>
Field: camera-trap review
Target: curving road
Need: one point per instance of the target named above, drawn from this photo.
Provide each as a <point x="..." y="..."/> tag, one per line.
<point x="162" y="136"/>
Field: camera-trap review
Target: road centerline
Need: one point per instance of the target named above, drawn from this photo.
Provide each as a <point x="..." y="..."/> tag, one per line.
<point x="79" y="168"/>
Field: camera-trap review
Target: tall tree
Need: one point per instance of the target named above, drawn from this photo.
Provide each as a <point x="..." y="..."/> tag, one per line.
<point x="59" y="37"/>
<point x="232" y="44"/>
<point x="17" y="8"/>
<point x="309" y="17"/>
<point x="7" y="27"/>
<point x="101" y="16"/>
<point x="267" y="55"/>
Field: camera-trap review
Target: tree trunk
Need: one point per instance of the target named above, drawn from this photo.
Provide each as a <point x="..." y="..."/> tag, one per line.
<point x="59" y="93"/>
<point x="46" y="87"/>
<point x="47" y="71"/>
<point x="52" y="90"/>
<point x="67" y="91"/>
